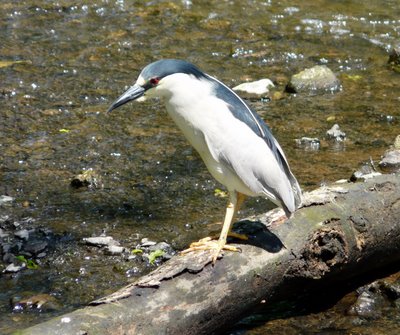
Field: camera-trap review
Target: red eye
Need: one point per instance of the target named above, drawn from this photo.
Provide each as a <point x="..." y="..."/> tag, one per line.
<point x="154" y="81"/>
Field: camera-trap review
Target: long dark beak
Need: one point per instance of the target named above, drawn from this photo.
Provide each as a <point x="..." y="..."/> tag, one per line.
<point x="133" y="93"/>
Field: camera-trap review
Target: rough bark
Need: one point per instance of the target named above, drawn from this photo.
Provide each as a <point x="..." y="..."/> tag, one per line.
<point x="343" y="232"/>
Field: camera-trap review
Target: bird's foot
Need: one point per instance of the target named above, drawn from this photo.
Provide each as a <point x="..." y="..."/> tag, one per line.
<point x="207" y="243"/>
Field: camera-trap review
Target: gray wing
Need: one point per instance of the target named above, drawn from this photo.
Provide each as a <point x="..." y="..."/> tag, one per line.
<point x="244" y="113"/>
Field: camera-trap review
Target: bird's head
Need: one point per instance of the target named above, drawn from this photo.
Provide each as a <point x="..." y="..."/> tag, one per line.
<point x="154" y="80"/>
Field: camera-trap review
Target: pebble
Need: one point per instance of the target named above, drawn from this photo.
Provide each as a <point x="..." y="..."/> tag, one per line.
<point x="101" y="241"/>
<point x="394" y="56"/>
<point x="3" y="233"/>
<point x="22" y="234"/>
<point x="259" y="87"/>
<point x="168" y="251"/>
<point x="88" y="178"/>
<point x="359" y="176"/>
<point x="397" y="142"/>
<point x="336" y="133"/>
<point x="160" y="246"/>
<point x="35" y="246"/>
<point x="390" y="161"/>
<point x="5" y="199"/>
<point x="394" y="59"/>
<point x="41" y="301"/>
<point x="8" y="257"/>
<point x="114" y="250"/>
<point x="364" y="173"/>
<point x="365" y="306"/>
<point x="12" y="268"/>
<point x="145" y="242"/>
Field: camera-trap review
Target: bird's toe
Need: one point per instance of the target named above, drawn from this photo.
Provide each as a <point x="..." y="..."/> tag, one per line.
<point x="215" y="247"/>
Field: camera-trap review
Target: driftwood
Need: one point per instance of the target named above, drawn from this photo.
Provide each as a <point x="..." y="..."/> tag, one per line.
<point x="342" y="232"/>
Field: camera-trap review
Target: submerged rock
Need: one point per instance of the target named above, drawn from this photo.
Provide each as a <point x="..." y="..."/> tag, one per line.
<point x="39" y="302"/>
<point x="376" y="298"/>
<point x="308" y="143"/>
<point x="367" y="305"/>
<point x="336" y="133"/>
<point x="318" y="79"/>
<point x="394" y="59"/>
<point x="88" y="178"/>
<point x="21" y="243"/>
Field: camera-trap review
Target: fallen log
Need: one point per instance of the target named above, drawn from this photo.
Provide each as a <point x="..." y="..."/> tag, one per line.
<point x="343" y="232"/>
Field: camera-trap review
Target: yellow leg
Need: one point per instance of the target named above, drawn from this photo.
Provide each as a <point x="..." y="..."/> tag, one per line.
<point x="240" y="197"/>
<point x="236" y="200"/>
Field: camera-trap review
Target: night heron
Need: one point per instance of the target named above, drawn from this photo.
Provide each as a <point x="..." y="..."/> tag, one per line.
<point x="233" y="141"/>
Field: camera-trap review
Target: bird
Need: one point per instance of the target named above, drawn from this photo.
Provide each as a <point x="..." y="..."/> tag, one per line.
<point x="236" y="145"/>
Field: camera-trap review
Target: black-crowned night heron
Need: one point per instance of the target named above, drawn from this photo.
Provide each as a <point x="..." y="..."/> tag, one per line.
<point x="233" y="141"/>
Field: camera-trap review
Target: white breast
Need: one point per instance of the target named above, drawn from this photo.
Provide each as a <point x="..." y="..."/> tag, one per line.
<point x="204" y="120"/>
<point x="235" y="156"/>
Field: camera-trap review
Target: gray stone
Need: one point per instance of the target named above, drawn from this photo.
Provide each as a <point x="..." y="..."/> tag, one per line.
<point x="145" y="242"/>
<point x="160" y="246"/>
<point x="114" y="250"/>
<point x="168" y="251"/>
<point x="9" y="257"/>
<point x="101" y="241"/>
<point x="318" y="79"/>
<point x="390" y="161"/>
<point x="22" y="234"/>
<point x="3" y="233"/>
<point x="35" y="247"/>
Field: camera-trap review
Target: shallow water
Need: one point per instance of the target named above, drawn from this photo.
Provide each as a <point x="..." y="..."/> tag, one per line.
<point x="62" y="64"/>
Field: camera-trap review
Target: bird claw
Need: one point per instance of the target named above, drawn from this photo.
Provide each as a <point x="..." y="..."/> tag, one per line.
<point x="215" y="247"/>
